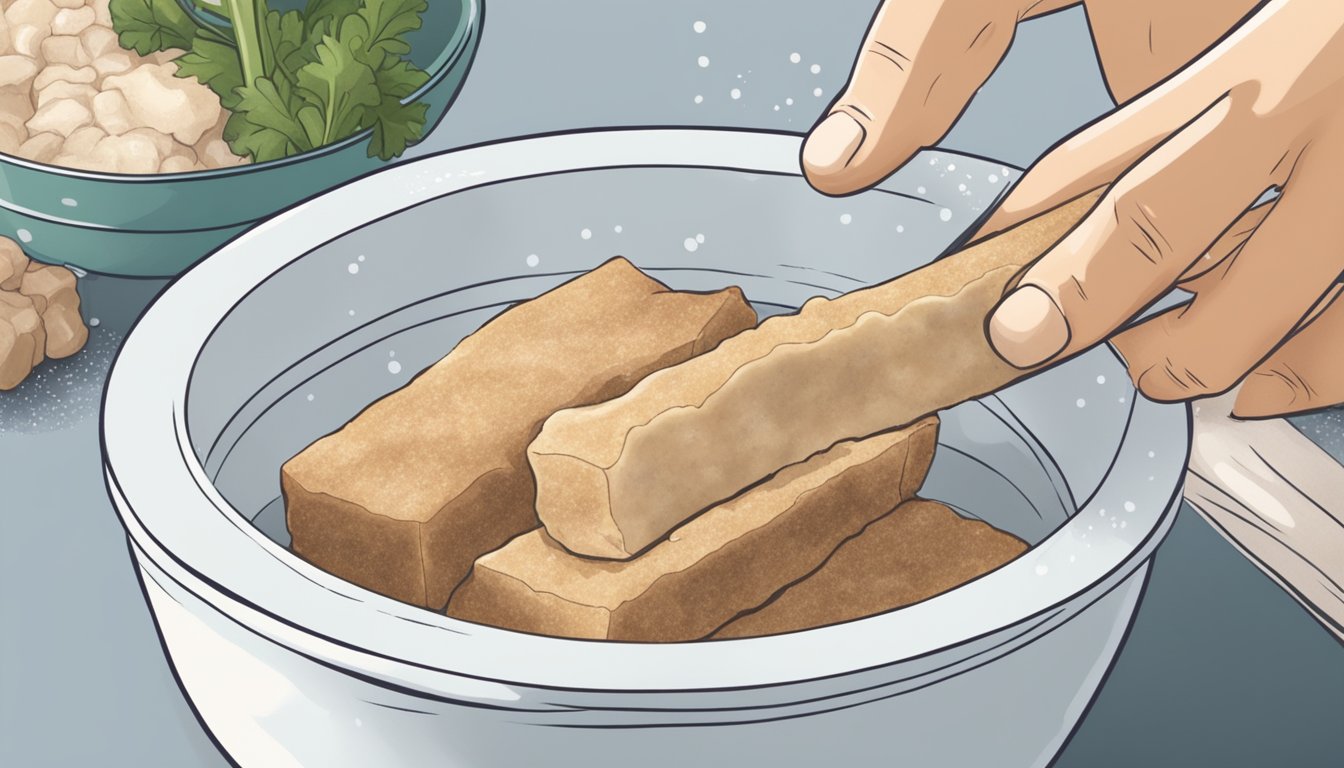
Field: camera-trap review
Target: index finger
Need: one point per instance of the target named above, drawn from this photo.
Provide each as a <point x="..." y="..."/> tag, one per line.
<point x="920" y="64"/>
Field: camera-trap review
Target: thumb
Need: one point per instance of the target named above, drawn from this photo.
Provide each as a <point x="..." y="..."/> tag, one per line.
<point x="921" y="62"/>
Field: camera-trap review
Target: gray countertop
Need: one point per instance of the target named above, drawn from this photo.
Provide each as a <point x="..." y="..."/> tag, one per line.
<point x="1221" y="667"/>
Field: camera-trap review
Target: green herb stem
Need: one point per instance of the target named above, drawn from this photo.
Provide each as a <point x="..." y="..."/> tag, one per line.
<point x="243" y="16"/>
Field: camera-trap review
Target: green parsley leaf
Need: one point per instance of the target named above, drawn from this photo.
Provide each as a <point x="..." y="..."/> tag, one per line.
<point x="396" y="125"/>
<point x="216" y="65"/>
<point x="322" y="17"/>
<point x="381" y="26"/>
<point x="267" y="123"/>
<point x="147" y="26"/>
<point x="341" y="86"/>
<point x="288" y="47"/>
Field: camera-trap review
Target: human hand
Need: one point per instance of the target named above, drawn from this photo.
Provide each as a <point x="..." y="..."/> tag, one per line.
<point x="1248" y="99"/>
<point x="1262" y="109"/>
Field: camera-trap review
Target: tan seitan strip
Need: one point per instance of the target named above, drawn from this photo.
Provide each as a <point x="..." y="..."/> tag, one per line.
<point x="726" y="561"/>
<point x="920" y="550"/>
<point x="403" y="498"/>
<point x="611" y="478"/>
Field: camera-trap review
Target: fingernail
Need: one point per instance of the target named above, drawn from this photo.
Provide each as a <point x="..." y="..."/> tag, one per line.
<point x="1027" y="329"/>
<point x="832" y="144"/>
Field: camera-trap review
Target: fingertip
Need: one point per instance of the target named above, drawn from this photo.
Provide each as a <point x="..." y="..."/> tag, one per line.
<point x="829" y="150"/>
<point x="1028" y="328"/>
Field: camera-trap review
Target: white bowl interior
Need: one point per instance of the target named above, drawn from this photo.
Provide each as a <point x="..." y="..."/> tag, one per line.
<point x="336" y="303"/>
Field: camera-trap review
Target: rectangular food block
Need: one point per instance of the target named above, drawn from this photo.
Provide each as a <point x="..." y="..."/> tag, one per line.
<point x="405" y="496"/>
<point x="728" y="560"/>
<point x="919" y="550"/>
<point x="613" y="477"/>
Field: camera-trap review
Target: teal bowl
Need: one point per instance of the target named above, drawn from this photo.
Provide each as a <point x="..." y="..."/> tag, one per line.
<point x="158" y="225"/>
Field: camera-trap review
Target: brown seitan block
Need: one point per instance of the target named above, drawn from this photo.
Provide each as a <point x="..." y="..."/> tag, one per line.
<point x="403" y="498"/>
<point x="726" y="561"/>
<point x="613" y="477"/>
<point x="920" y="550"/>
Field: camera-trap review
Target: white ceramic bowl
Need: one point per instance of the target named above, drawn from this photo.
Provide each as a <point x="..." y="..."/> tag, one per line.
<point x="296" y="325"/>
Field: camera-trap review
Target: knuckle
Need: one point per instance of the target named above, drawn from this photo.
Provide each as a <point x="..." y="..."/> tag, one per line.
<point x="1172" y="380"/>
<point x="885" y="57"/>
<point x="1140" y="231"/>
<point x="1290" y="381"/>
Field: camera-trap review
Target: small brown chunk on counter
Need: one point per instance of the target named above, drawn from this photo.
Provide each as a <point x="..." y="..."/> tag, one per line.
<point x="13" y="263"/>
<point x="53" y="292"/>
<point x="921" y="549"/>
<point x="730" y="559"/>
<point x="404" y="497"/>
<point x="615" y="476"/>
<point x="23" y="340"/>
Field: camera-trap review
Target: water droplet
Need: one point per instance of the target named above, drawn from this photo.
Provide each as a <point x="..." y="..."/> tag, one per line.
<point x="393" y="366"/>
<point x="921" y="190"/>
<point x="353" y="268"/>
<point x="703" y="61"/>
<point x="699" y="99"/>
<point x="816" y="69"/>
<point x="736" y="93"/>
<point x="69" y="202"/>
<point x="900" y="228"/>
<point x="776" y="107"/>
<point x="618" y="229"/>
<point x="816" y="92"/>
<point x="1129" y="506"/>
<point x="961" y="187"/>
<point x="795" y="58"/>
<point x="24" y="235"/>
<point x="1101" y="379"/>
<point x="993" y="178"/>
<point x="788" y="102"/>
<point x="392" y="353"/>
<point x="1005" y="171"/>
<point x="310" y="397"/>
<point x="951" y="166"/>
<point x="845" y="218"/>
<point x="1042" y="569"/>
<point x="945" y="214"/>
<point x="533" y="260"/>
<point x="1124" y="523"/>
<point x="94" y="322"/>
<point x="586" y="234"/>
<point x="699" y="27"/>
<point x="690" y="244"/>
<point x="1152" y="455"/>
<point x="1081" y="403"/>
<point x="351" y="313"/>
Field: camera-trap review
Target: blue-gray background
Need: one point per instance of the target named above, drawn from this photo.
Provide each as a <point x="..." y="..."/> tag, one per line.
<point x="1221" y="669"/>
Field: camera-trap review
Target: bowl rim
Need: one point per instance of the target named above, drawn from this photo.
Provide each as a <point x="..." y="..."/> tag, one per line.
<point x="460" y="44"/>
<point x="175" y="517"/>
